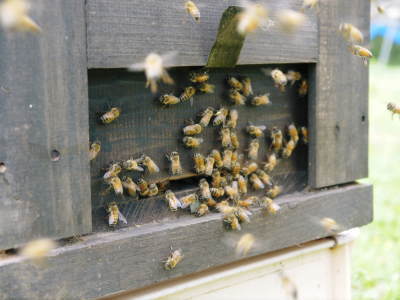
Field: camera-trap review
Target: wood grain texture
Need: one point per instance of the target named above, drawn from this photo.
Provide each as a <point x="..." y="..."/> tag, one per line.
<point x="339" y="99"/>
<point x="122" y="32"/>
<point x="147" y="127"/>
<point x="107" y="263"/>
<point x="44" y="107"/>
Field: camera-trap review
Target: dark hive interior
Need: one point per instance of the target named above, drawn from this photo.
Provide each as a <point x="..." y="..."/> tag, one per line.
<point x="147" y="127"/>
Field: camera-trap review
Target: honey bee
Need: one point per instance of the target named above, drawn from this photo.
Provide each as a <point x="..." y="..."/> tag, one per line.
<point x="217" y="192"/>
<point x="235" y="156"/>
<point x="210" y="202"/>
<point x="277" y="139"/>
<point x="174" y="258"/>
<point x="154" y="67"/>
<point x="130" y="186"/>
<point x="14" y="16"/>
<point x="235" y="169"/>
<point x="243" y="215"/>
<point x="225" y="135"/>
<point x="253" y="149"/>
<point x="143" y="187"/>
<point x="150" y="164"/>
<point x="232" y="221"/>
<point x="293" y="76"/>
<point x="234" y="140"/>
<point x="110" y="115"/>
<point x="217" y="158"/>
<point x="233" y="118"/>
<point x="169" y="99"/>
<point x="261" y="100"/>
<point x="242" y="184"/>
<point x="216" y="179"/>
<point x="272" y="161"/>
<point x="199" y="76"/>
<point x="209" y="166"/>
<point x="188" y="93"/>
<point x="206" y="116"/>
<point x="249" y="168"/>
<point x="175" y="166"/>
<point x="227" y="160"/>
<point x="94" y="150"/>
<point x="220" y="116"/>
<point x="173" y="202"/>
<point x="248" y="201"/>
<point x="245" y="244"/>
<point x="278" y="77"/>
<point x="115" y="215"/>
<point x="304" y="133"/>
<point x="309" y="4"/>
<point x="237" y="97"/>
<point x="264" y="177"/>
<point x="274" y="191"/>
<point x="270" y="205"/>
<point x="256" y="182"/>
<point x="351" y="33"/>
<point x="116" y="184"/>
<point x="288" y="149"/>
<point x="330" y="225"/>
<point x="393" y="108"/>
<point x="247" y="88"/>
<point x="192" y="10"/>
<point x="290" y="20"/>
<point x="255" y="131"/>
<point x="207" y="88"/>
<point x="293" y="133"/>
<point x="362" y="52"/>
<point x="112" y="171"/>
<point x="192" y="142"/>
<point x="132" y="165"/>
<point x="153" y="190"/>
<point x="36" y="250"/>
<point x="380" y="9"/>
<point x="232" y="191"/>
<point x="192" y="129"/>
<point x="202" y="210"/>
<point x="234" y="83"/>
<point x="205" y="192"/>
<point x="253" y="16"/>
<point x="199" y="163"/>
<point x="188" y="200"/>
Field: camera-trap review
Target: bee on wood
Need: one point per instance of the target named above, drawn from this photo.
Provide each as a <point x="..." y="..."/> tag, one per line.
<point x="274" y="191"/>
<point x="220" y="116"/>
<point x="293" y="133"/>
<point x="277" y="139"/>
<point x="253" y="16"/>
<point x="227" y="160"/>
<point x="249" y="201"/>
<point x="225" y="136"/>
<point x="205" y="192"/>
<point x="110" y="115"/>
<point x="232" y="221"/>
<point x="233" y="118"/>
<point x="304" y="133"/>
<point x="199" y="76"/>
<point x="175" y="166"/>
<point x="271" y="163"/>
<point x="235" y="84"/>
<point x="188" y="200"/>
<point x="14" y="16"/>
<point x="153" y="190"/>
<point x="202" y="210"/>
<point x="206" y="116"/>
<point x="247" y="88"/>
<point x="330" y="225"/>
<point x="235" y="169"/>
<point x="130" y="186"/>
<point x="245" y="244"/>
<point x="255" y="131"/>
<point x="278" y="77"/>
<point x="169" y="99"/>
<point x="270" y="205"/>
<point x="143" y="187"/>
<point x="249" y="168"/>
<point x="303" y="89"/>
<point x="217" y="158"/>
<point x="112" y="171"/>
<point x="256" y="182"/>
<point x="150" y="164"/>
<point x="243" y="215"/>
<point x="199" y="163"/>
<point x="216" y="179"/>
<point x="224" y="208"/>
<point x="393" y="108"/>
<point x="188" y="93"/>
<point x="242" y="185"/>
<point x="351" y="33"/>
<point x="174" y="258"/>
<point x="192" y="142"/>
<point x="293" y="76"/>
<point x="253" y="149"/>
<point x="235" y="156"/>
<point x="207" y="88"/>
<point x="288" y="149"/>
<point x="261" y="100"/>
<point x="217" y="192"/>
<point x="94" y="150"/>
<point x="236" y="97"/>
<point x="115" y="215"/>
<point x="193" y="11"/>
<point x="172" y="200"/>
<point x="362" y="52"/>
<point x="290" y="20"/>
<point x="234" y="140"/>
<point x="265" y="178"/>
<point x="209" y="165"/>
<point x="192" y="129"/>
<point x="154" y="67"/>
<point x="132" y="165"/>
<point x="37" y="250"/>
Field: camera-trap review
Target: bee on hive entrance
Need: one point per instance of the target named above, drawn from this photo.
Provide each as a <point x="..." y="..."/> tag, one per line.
<point x="261" y="100"/>
<point x="220" y="116"/>
<point x="199" y="76"/>
<point x="172" y="200"/>
<point x="199" y="163"/>
<point x="206" y="116"/>
<point x="94" y="150"/>
<point x="271" y="163"/>
<point x="175" y="166"/>
<point x="112" y="171"/>
<point x="233" y="118"/>
<point x="173" y="259"/>
<point x="192" y="10"/>
<point x="110" y="115"/>
<point x="247" y="88"/>
<point x="253" y="16"/>
<point x="290" y="20"/>
<point x="188" y="93"/>
<point x="130" y="186"/>
<point x="192" y="142"/>
<point x="255" y="131"/>
<point x="150" y="164"/>
<point x="115" y="215"/>
<point x="132" y="165"/>
<point x="351" y="33"/>
<point x="303" y="89"/>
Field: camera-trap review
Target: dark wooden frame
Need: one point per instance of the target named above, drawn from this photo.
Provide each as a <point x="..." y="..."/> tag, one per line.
<point x="117" y="33"/>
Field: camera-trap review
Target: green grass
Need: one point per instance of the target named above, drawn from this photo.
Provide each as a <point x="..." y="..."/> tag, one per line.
<point x="376" y="254"/>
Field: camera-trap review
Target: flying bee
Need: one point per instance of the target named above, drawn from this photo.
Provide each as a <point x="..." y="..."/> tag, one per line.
<point x="249" y="168"/>
<point x="243" y="215"/>
<point x="153" y="190"/>
<point x="232" y="221"/>
<point x="304" y="133"/>
<point x="188" y="200"/>
<point x="380" y="9"/>
<point x="199" y="76"/>
<point x="205" y="192"/>
<point x="199" y="163"/>
<point x="130" y="186"/>
<point x="274" y="191"/>
<point x="110" y="115"/>
<point x="253" y="16"/>
<point x="150" y="164"/>
<point x="207" y="88"/>
<point x="192" y="10"/>
<point x="174" y="258"/>
<point x="206" y="116"/>
<point x="209" y="165"/>
<point x="14" y="16"/>
<point x="235" y="84"/>
<point x="242" y="184"/>
<point x="192" y="142"/>
<point x="202" y="210"/>
<point x="261" y="100"/>
<point x="233" y="118"/>
<point x="393" y="108"/>
<point x="255" y="131"/>
<point x="309" y="4"/>
<point x="271" y="163"/>
<point x="132" y="165"/>
<point x="293" y="133"/>
<point x="270" y="205"/>
<point x="293" y="76"/>
<point x="187" y="93"/>
<point x="235" y="169"/>
<point x="351" y="33"/>
<point x="288" y="286"/>
<point x="232" y="191"/>
<point x="277" y="139"/>
<point x="94" y="150"/>
<point x="227" y="160"/>
<point x="256" y="182"/>
<point x="37" y="250"/>
<point x="192" y="129"/>
<point x="234" y="140"/>
<point x="175" y="166"/>
<point x="362" y="52"/>
<point x="237" y="97"/>
<point x="303" y="89"/>
<point x="112" y="171"/>
<point x="116" y="184"/>
<point x="216" y="179"/>
<point x="115" y="215"/>
<point x="248" y="201"/>
<point x="265" y="178"/>
<point x="245" y="244"/>
<point x="217" y="158"/>
<point x="173" y="202"/>
<point x="253" y="149"/>
<point x="143" y="187"/>
<point x="220" y="116"/>
<point x="288" y="149"/>
<point x="330" y="225"/>
<point x="217" y="192"/>
<point x="225" y="136"/>
<point x="290" y="20"/>
<point x="247" y="88"/>
<point x="169" y="99"/>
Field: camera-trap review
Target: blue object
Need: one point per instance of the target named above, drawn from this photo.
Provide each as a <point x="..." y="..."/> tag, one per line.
<point x="381" y="30"/>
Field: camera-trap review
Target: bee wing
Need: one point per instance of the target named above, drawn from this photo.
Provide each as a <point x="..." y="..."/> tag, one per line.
<point x="136" y="67"/>
<point x="122" y="218"/>
<point x="169" y="59"/>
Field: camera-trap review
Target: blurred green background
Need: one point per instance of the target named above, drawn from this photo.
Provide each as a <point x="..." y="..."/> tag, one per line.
<point x="376" y="253"/>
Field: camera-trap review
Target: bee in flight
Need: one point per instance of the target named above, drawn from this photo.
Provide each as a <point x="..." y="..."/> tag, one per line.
<point x="253" y="16"/>
<point x="351" y="33"/>
<point x="192" y="10"/>
<point x="114" y="215"/>
<point x="290" y="20"/>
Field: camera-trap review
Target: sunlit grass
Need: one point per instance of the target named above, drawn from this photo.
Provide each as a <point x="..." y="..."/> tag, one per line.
<point x="376" y="255"/>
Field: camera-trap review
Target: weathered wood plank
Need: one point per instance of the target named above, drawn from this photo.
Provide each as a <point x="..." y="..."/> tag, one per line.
<point x="44" y="107"/>
<point x="339" y="103"/>
<point x="107" y="263"/>
<point x="121" y="32"/>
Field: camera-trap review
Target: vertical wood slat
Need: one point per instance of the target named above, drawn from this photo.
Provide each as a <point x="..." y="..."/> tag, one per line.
<point x="44" y="104"/>
<point x="339" y="99"/>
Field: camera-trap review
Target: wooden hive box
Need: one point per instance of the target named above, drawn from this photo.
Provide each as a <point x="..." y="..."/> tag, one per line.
<point x="55" y="85"/>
